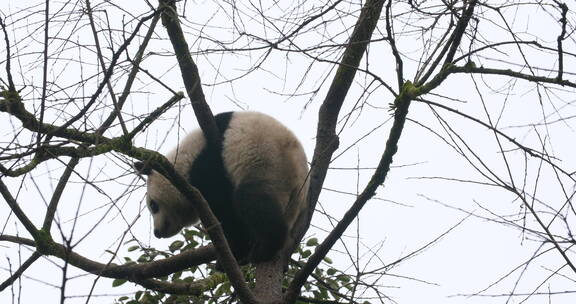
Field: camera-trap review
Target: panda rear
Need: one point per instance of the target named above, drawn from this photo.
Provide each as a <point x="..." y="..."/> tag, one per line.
<point x="255" y="183"/>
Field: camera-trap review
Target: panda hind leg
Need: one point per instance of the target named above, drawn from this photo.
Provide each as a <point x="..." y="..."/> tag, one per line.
<point x="262" y="213"/>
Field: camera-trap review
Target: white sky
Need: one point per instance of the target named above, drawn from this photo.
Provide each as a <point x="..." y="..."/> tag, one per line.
<point x="409" y="212"/>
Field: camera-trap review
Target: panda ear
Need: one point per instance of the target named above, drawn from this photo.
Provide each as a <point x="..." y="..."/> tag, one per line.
<point x="142" y="168"/>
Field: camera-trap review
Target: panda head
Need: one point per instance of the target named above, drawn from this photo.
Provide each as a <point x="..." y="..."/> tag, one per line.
<point x="169" y="208"/>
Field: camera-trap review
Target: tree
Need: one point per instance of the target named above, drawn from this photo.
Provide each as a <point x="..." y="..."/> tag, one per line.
<point x="485" y="81"/>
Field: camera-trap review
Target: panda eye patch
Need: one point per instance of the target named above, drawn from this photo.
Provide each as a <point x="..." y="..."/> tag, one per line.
<point x="153" y="207"/>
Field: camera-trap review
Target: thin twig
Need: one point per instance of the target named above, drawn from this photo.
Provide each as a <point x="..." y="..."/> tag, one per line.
<point x="11" y="86"/>
<point x="51" y="210"/>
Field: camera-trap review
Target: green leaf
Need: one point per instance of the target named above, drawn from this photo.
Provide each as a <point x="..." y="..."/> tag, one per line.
<point x="333" y="284"/>
<point x="331" y="271"/>
<point x="132" y="248"/>
<point x="118" y="282"/>
<point x="344" y="278"/>
<point x="130" y="240"/>
<point x="225" y="288"/>
<point x="177" y="275"/>
<point x="328" y="260"/>
<point x="312" y="242"/>
<point x="306" y="253"/>
<point x="189" y="235"/>
<point x="335" y="295"/>
<point x="175" y="246"/>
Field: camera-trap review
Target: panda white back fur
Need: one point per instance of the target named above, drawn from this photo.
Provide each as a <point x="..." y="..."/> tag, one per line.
<point x="255" y="183"/>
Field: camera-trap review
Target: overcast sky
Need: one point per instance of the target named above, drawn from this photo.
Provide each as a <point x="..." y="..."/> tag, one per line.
<point x="423" y="197"/>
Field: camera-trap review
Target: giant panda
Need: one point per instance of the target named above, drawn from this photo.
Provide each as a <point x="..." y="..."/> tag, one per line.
<point x="255" y="182"/>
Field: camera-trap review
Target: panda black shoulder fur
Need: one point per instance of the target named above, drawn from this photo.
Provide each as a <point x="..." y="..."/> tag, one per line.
<point x="255" y="183"/>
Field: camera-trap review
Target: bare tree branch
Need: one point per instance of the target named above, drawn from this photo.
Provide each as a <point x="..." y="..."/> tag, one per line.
<point x="62" y="182"/>
<point x="327" y="140"/>
<point x="491" y="71"/>
<point x="402" y="104"/>
<point x="452" y="44"/>
<point x="107" y="74"/>
<point x="17" y="210"/>
<point x="132" y="76"/>
<point x="190" y="75"/>
<point x="134" y="271"/>
<point x="115" y="102"/>
<point x="11" y="87"/>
